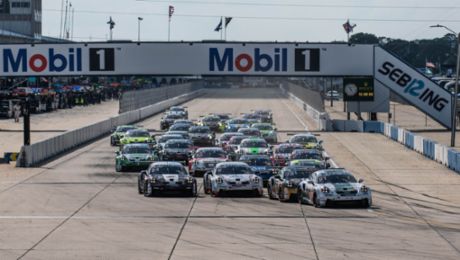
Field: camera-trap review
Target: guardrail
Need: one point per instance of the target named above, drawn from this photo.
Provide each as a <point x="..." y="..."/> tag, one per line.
<point x="136" y="99"/>
<point x="45" y="150"/>
<point x="321" y="118"/>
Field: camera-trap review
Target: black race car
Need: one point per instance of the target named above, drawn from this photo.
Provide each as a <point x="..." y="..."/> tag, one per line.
<point x="166" y="176"/>
<point x="177" y="150"/>
<point x="168" y="120"/>
<point x="202" y="136"/>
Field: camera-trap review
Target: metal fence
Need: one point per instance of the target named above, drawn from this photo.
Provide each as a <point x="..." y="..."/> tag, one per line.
<point x="132" y="100"/>
<point x="40" y="152"/>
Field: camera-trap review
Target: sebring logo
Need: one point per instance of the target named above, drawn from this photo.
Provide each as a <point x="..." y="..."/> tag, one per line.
<point x="413" y="86"/>
<point x="53" y="61"/>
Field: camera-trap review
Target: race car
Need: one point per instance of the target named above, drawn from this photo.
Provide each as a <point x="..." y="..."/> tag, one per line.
<point x="280" y="154"/>
<point x="134" y="156"/>
<point x="261" y="165"/>
<point x="318" y="164"/>
<point x="309" y="154"/>
<point x="252" y="132"/>
<point x="265" y="115"/>
<point x="182" y="111"/>
<point x="233" y="125"/>
<point x="252" y="118"/>
<point x="253" y="146"/>
<point x="164" y="138"/>
<point x="179" y="127"/>
<point x="205" y="159"/>
<point x="268" y="132"/>
<point x="184" y="134"/>
<point x="184" y="122"/>
<point x="137" y="136"/>
<point x="166" y="176"/>
<point x="232" y="146"/>
<point x="202" y="136"/>
<point x="119" y="133"/>
<point x="232" y="176"/>
<point x="211" y="121"/>
<point x="224" y="138"/>
<point x="283" y="186"/>
<point x="334" y="186"/>
<point x="177" y="150"/>
<point x="168" y="120"/>
<point x="309" y="141"/>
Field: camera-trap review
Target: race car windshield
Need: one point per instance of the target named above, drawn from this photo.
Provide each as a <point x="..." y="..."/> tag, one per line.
<point x="307" y="156"/>
<point x="224" y="117"/>
<point x="164" y="139"/>
<point x="211" y="119"/>
<point x="285" y="149"/>
<point x="256" y="144"/>
<point x="336" y="178"/>
<point x="233" y="169"/>
<point x="264" y="127"/>
<point x="179" y="128"/>
<point x="168" y="169"/>
<point x="138" y="134"/>
<point x="226" y="137"/>
<point x="238" y="122"/>
<point x="304" y="139"/>
<point x="237" y="140"/>
<point x="210" y="154"/>
<point x="250" y="132"/>
<point x="125" y="128"/>
<point x="199" y="130"/>
<point x="298" y="174"/>
<point x="306" y="164"/>
<point x="178" y="145"/>
<point x="178" y="109"/>
<point x="258" y="161"/>
<point x="172" y="116"/>
<point x="130" y="150"/>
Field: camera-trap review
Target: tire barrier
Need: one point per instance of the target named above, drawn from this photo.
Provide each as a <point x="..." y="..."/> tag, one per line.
<point x="45" y="150"/>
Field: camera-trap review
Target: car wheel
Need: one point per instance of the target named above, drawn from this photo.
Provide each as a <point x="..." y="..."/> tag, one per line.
<point x="270" y="193"/>
<point x="316" y="202"/>
<point x="112" y="142"/>
<point x="365" y="203"/>
<point x="139" y="188"/>
<point x="148" y="190"/>
<point x="281" y="195"/>
<point x="215" y="193"/>
<point x="299" y="197"/>
<point x="119" y="167"/>
<point x="194" y="191"/>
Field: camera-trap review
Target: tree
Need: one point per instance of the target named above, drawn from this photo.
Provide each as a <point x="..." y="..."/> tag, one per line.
<point x="364" y="38"/>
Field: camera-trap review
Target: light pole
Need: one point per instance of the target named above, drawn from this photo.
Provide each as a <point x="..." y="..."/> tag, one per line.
<point x="455" y="97"/>
<point x="139" y="19"/>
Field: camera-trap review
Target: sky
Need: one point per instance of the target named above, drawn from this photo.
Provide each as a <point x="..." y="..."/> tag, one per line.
<point x="254" y="20"/>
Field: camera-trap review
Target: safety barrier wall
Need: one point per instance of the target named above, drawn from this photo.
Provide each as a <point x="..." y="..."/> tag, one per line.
<point x="42" y="151"/>
<point x="321" y="119"/>
<point x="136" y="99"/>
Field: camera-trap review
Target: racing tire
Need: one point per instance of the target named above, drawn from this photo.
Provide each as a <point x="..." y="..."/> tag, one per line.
<point x="270" y="193"/>
<point x="258" y="194"/>
<point x="139" y="190"/>
<point x="316" y="202"/>
<point x="281" y="197"/>
<point x="119" y="168"/>
<point x="148" y="190"/>
<point x="112" y="142"/>
<point x="365" y="203"/>
<point x="194" y="191"/>
<point x="299" y="197"/>
<point x="215" y="194"/>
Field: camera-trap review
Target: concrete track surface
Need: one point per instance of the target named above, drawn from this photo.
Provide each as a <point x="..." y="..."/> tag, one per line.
<point x="78" y="207"/>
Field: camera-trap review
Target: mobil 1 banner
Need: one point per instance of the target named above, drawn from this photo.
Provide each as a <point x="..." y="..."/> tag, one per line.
<point x="188" y="58"/>
<point x="413" y="86"/>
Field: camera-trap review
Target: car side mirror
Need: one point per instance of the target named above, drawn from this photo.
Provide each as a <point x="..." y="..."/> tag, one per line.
<point x="320" y="142"/>
<point x="143" y="172"/>
<point x="311" y="182"/>
<point x="360" y="180"/>
<point x="278" y="177"/>
<point x="327" y="158"/>
<point x="117" y="152"/>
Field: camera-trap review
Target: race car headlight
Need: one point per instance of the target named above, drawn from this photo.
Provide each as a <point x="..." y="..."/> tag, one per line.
<point x="364" y="189"/>
<point x="210" y="136"/>
<point x="290" y="185"/>
<point x="325" y="189"/>
<point x="220" y="180"/>
<point x="256" y="179"/>
<point x="190" y="180"/>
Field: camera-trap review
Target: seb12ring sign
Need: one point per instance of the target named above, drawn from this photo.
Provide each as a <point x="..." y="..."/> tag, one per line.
<point x="358" y="89"/>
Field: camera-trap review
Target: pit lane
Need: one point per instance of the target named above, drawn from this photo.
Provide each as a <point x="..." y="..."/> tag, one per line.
<point x="78" y="207"/>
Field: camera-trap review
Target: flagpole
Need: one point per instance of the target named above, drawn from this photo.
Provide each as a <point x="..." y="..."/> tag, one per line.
<point x="221" y="31"/>
<point x="225" y="29"/>
<point x="169" y="29"/>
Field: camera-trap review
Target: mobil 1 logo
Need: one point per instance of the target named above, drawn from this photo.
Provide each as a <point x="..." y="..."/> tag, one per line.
<point x="101" y="59"/>
<point x="307" y="59"/>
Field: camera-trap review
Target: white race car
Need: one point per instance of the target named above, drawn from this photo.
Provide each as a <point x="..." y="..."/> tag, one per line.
<point x="232" y="176"/>
<point x="333" y="186"/>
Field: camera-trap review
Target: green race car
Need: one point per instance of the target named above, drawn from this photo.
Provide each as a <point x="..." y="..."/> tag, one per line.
<point x="135" y="156"/>
<point x="268" y="132"/>
<point x="137" y="136"/>
<point x="253" y="146"/>
<point x="119" y="133"/>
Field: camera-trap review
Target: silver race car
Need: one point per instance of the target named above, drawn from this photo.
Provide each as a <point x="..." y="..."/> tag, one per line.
<point x="232" y="176"/>
<point x="333" y="186"/>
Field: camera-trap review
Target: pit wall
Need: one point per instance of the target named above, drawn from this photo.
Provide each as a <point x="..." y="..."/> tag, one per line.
<point x="41" y="152"/>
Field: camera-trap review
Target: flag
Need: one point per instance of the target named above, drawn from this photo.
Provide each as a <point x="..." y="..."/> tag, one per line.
<point x="348" y="26"/>
<point x="219" y="26"/>
<point x="140" y="18"/>
<point x="227" y="21"/>
<point x="171" y="11"/>
<point x="430" y="65"/>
